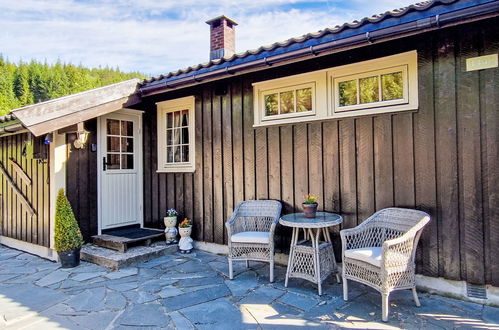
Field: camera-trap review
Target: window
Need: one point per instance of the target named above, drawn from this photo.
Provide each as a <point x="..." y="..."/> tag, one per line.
<point x="176" y="135"/>
<point x="289" y="99"/>
<point x="372" y="89"/>
<point x="381" y="85"/>
<point x="119" y="144"/>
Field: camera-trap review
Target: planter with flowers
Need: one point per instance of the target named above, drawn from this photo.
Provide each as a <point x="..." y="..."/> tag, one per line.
<point x="310" y="205"/>
<point x="185" y="230"/>
<point x="170" y="223"/>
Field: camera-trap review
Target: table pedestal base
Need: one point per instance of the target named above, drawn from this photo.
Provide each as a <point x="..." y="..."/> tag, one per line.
<point x="311" y="259"/>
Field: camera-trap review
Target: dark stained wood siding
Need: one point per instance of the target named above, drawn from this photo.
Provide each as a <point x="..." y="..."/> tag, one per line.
<point x="15" y="221"/>
<point x="442" y="159"/>
<point x="81" y="181"/>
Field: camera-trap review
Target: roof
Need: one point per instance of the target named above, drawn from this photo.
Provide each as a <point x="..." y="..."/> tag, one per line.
<point x="419" y="16"/>
<point x="48" y="116"/>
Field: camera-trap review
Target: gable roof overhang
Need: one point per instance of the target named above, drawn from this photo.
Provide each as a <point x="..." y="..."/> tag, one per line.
<point x="44" y="117"/>
<point x="411" y="20"/>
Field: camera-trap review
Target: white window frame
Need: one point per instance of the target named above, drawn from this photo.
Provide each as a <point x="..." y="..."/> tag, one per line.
<point x="184" y="103"/>
<point x="315" y="80"/>
<point x="325" y="94"/>
<point x="405" y="62"/>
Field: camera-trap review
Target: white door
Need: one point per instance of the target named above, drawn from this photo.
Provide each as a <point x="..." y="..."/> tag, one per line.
<point x="120" y="169"/>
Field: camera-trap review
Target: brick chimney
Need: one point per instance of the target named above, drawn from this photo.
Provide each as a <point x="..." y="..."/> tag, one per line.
<point x="222" y="37"/>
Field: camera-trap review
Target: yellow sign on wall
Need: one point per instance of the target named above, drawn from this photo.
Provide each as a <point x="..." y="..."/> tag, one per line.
<point x="481" y="62"/>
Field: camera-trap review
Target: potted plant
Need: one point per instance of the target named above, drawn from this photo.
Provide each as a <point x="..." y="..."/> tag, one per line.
<point x="185" y="230"/>
<point x="310" y="205"/>
<point x="170" y="230"/>
<point x="67" y="236"/>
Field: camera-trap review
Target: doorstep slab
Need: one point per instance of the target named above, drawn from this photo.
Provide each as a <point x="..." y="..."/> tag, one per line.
<point x="135" y="255"/>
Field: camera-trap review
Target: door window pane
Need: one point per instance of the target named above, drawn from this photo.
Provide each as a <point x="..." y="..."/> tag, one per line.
<point x="113" y="161"/>
<point x="126" y="144"/>
<point x="348" y="92"/>
<point x="287" y="102"/>
<point x="113" y="144"/>
<point x="369" y="89"/>
<point x="271" y="105"/>
<point x="392" y="86"/>
<point x="126" y="128"/>
<point x="113" y="127"/>
<point x="127" y="162"/>
<point x="304" y="99"/>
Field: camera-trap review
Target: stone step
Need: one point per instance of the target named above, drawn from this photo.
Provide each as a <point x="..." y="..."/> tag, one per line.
<point x="135" y="255"/>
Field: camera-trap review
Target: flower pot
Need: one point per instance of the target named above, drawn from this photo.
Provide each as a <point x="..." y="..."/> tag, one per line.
<point x="309" y="210"/>
<point x="69" y="259"/>
<point x="185" y="232"/>
<point x="170" y="221"/>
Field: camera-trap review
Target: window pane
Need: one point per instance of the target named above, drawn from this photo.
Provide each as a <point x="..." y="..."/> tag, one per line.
<point x="287" y="102"/>
<point x="127" y="162"/>
<point x="113" y="127"/>
<point x="176" y="154"/>
<point x="369" y="89"/>
<point x="176" y="136"/>
<point x="176" y="119"/>
<point x="185" y="153"/>
<point x="113" y="162"/>
<point x="126" y="144"/>
<point x="126" y="128"/>
<point x="348" y="92"/>
<point x="113" y="144"/>
<point x="185" y="118"/>
<point x="392" y="86"/>
<point x="304" y="99"/>
<point x="271" y="105"/>
<point x="169" y="155"/>
<point x="169" y="137"/>
<point x="169" y="120"/>
<point x="185" y="135"/>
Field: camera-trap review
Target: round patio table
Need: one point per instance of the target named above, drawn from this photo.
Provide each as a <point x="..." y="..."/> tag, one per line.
<point x="311" y="257"/>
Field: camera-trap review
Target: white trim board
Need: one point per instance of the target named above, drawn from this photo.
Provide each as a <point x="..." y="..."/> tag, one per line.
<point x="38" y="250"/>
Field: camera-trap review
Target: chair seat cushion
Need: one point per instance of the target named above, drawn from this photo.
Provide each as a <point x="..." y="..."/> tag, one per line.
<point x="371" y="255"/>
<point x="251" y="237"/>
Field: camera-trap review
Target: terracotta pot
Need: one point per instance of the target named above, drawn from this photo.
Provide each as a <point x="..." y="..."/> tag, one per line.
<point x="185" y="232"/>
<point x="309" y="210"/>
<point x="69" y="259"/>
<point x="170" y="221"/>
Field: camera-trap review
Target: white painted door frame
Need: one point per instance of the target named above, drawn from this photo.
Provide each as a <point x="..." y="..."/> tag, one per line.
<point x="138" y="156"/>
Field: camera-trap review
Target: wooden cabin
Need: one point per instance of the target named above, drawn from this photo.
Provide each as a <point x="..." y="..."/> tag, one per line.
<point x="401" y="109"/>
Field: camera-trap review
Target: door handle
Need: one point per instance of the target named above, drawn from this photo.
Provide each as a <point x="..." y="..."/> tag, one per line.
<point x="104" y="163"/>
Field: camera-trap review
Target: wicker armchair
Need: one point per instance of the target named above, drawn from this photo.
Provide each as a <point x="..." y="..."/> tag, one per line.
<point x="251" y="232"/>
<point x="380" y="252"/>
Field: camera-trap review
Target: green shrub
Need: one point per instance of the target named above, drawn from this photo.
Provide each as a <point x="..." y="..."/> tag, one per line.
<point x="67" y="233"/>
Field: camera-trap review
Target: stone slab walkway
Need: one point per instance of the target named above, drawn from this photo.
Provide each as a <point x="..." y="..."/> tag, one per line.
<point x="194" y="292"/>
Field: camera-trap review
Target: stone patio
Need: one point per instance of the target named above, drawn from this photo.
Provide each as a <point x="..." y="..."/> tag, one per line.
<point x="194" y="292"/>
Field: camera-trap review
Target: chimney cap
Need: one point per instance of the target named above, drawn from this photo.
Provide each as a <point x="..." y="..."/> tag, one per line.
<point x="220" y="18"/>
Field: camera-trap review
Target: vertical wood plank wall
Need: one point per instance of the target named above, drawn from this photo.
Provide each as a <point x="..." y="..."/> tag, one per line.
<point x="81" y="181"/>
<point x="15" y="221"/>
<point x="442" y="159"/>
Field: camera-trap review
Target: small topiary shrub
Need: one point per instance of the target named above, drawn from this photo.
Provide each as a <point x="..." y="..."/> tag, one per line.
<point x="67" y="233"/>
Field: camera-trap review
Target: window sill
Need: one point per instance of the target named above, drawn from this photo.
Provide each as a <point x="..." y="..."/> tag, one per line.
<point x="176" y="170"/>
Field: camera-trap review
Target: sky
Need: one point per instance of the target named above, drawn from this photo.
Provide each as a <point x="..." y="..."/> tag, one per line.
<point x="158" y="36"/>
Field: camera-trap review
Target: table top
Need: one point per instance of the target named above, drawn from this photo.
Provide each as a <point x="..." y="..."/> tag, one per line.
<point x="321" y="220"/>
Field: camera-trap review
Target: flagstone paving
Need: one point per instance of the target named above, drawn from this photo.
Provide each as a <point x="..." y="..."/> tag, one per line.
<point x="194" y="292"/>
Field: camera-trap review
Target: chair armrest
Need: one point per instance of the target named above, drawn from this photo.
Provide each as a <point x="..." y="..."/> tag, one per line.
<point x="399" y="251"/>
